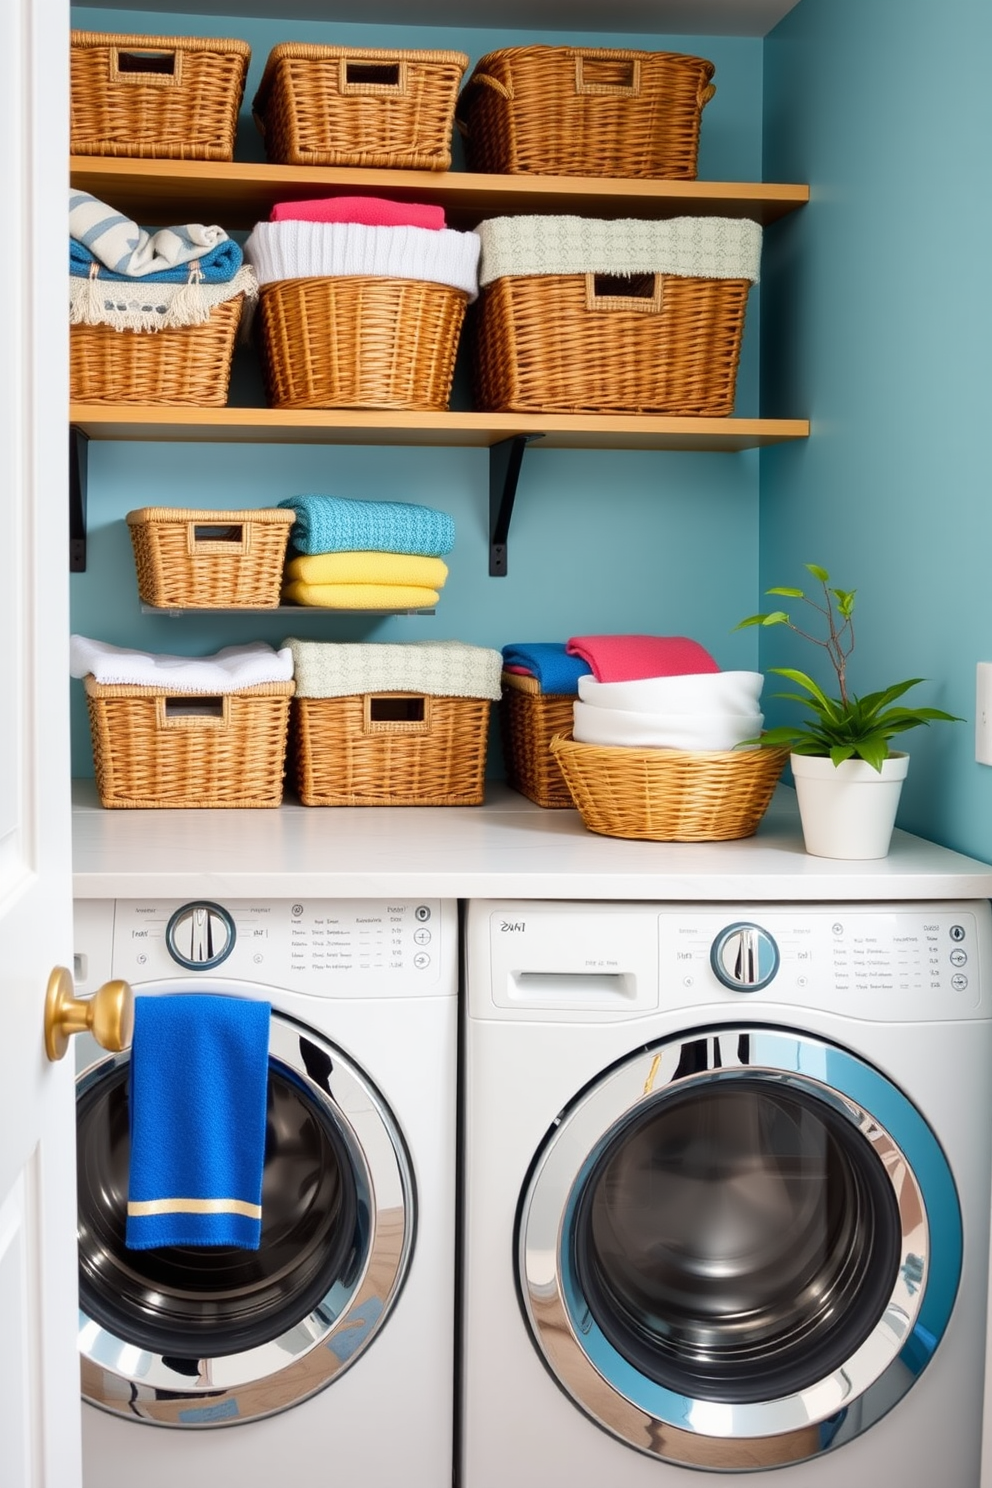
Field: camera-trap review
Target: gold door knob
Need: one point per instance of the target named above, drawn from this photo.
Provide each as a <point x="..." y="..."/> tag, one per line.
<point x="108" y="1014"/>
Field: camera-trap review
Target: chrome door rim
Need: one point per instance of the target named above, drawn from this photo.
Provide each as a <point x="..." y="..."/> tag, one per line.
<point x="136" y="1382"/>
<point x="680" y="1428"/>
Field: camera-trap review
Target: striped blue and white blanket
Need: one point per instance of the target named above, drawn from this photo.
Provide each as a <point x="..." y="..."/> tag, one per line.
<point x="121" y="250"/>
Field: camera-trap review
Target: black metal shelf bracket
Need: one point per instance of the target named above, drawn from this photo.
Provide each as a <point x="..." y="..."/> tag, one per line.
<point x="78" y="443"/>
<point x="505" y="458"/>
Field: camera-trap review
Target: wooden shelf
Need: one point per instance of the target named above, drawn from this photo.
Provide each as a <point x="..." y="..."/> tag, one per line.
<point x="176" y="612"/>
<point x="110" y="421"/>
<point x="160" y="192"/>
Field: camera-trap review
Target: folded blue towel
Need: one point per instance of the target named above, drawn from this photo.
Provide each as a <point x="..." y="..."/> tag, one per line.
<point x="549" y="663"/>
<point x="339" y="524"/>
<point x="217" y="266"/>
<point x="199" y="1076"/>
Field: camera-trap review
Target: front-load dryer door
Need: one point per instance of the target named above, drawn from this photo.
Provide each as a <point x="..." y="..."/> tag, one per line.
<point x="738" y="1248"/>
<point x="211" y="1336"/>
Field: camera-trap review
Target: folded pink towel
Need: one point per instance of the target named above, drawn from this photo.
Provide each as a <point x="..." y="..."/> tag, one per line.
<point x="628" y="658"/>
<point x="371" y="211"/>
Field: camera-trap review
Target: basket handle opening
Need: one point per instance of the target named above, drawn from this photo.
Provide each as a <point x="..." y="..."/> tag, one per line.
<point x="396" y="713"/>
<point x="152" y="68"/>
<point x="615" y="77"/>
<point x="218" y="537"/>
<point x="372" y="77"/>
<point x="638" y="292"/>
<point x="192" y="711"/>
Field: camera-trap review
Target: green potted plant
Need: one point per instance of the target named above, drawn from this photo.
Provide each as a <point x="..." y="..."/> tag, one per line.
<point x="847" y="778"/>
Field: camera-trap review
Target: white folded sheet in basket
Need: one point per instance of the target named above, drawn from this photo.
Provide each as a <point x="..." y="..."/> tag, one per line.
<point x="439" y="668"/>
<point x="328" y="250"/>
<point x="691" y="692"/>
<point x="618" y="727"/>
<point x="225" y="671"/>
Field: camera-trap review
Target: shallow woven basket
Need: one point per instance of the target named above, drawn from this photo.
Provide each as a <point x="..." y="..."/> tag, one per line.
<point x="187" y="365"/>
<point x="390" y="749"/>
<point x="559" y="343"/>
<point x="157" y="748"/>
<point x="669" y="795"/>
<point x="327" y="105"/>
<point x="528" y="721"/>
<point x="206" y="559"/>
<point x="155" y="97"/>
<point x="578" y="111"/>
<point x="360" y="342"/>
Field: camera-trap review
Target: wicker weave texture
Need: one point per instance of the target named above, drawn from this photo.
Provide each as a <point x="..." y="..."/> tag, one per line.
<point x="185" y="365"/>
<point x="343" y="756"/>
<point x="669" y="795"/>
<point x="206" y="559"/>
<point x="326" y="105"/>
<point x="152" y="749"/>
<point x="569" y="111"/>
<point x="360" y="342"/>
<point x="551" y="343"/>
<point x="528" y="722"/>
<point x="155" y="97"/>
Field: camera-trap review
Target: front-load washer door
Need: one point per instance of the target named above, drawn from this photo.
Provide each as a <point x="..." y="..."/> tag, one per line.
<point x="211" y="1336"/>
<point x="738" y="1248"/>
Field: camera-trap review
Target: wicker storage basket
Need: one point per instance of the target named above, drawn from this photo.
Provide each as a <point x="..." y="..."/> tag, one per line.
<point x="669" y="795"/>
<point x="390" y="749"/>
<point x="577" y="111"/>
<point x="643" y="341"/>
<point x="156" y="97"/>
<point x="186" y="364"/>
<point x="528" y="720"/>
<point x="156" y="748"/>
<point x="328" y="105"/>
<point x="360" y="342"/>
<point x="207" y="559"/>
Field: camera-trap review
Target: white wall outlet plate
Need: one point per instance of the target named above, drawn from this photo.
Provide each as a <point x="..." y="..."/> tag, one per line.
<point x="983" y="713"/>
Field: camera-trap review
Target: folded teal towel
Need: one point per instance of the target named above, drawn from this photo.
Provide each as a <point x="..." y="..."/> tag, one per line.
<point x="215" y="266"/>
<point x="339" y="524"/>
<point x="199" y="1079"/>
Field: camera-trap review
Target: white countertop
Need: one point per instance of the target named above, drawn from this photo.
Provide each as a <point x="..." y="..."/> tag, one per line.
<point x="509" y="848"/>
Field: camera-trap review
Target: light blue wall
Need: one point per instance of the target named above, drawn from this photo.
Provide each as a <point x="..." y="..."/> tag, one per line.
<point x="663" y="543"/>
<point x="882" y="332"/>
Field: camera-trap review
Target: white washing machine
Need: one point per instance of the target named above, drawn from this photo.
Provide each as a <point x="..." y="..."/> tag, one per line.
<point x="327" y="1354"/>
<point x="726" y="1193"/>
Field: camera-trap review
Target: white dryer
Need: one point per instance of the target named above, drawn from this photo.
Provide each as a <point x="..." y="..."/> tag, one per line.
<point x="327" y="1354"/>
<point x="726" y="1192"/>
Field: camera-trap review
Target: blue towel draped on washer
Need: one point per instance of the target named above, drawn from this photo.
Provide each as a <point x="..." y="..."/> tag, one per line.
<point x="341" y="524"/>
<point x="199" y="1076"/>
<point x="549" y="663"/>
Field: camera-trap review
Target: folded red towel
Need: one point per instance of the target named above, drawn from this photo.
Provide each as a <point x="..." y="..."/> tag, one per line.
<point x="371" y="211"/>
<point x="628" y="658"/>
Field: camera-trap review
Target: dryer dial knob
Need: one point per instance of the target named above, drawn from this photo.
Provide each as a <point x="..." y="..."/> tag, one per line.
<point x="744" y="957"/>
<point x="200" y="936"/>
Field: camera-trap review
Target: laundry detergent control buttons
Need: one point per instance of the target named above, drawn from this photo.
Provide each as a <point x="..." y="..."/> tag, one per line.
<point x="744" y="957"/>
<point x="200" y="935"/>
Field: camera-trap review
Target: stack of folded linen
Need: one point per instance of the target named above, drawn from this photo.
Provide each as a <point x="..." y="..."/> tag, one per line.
<point x="661" y="692"/>
<point x="123" y="276"/>
<point x="366" y="555"/>
<point x="543" y="667"/>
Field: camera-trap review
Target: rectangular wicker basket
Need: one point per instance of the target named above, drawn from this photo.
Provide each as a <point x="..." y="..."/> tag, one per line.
<point x="585" y="111"/>
<point x="208" y="559"/>
<point x="182" y="365"/>
<point x="155" y="97"/>
<point x="390" y="749"/>
<point x="156" y="748"/>
<point x="529" y="720"/>
<point x="329" y="105"/>
<point x="360" y="342"/>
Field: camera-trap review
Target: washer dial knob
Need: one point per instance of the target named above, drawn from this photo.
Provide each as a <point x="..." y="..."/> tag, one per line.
<point x="200" y="935"/>
<point x="744" y="957"/>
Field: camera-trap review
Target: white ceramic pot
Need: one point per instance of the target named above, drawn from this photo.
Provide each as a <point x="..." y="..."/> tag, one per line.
<point x="847" y="810"/>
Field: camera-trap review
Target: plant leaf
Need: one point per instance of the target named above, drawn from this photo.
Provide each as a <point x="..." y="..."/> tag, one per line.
<point x="818" y="572"/>
<point x="789" y="593"/>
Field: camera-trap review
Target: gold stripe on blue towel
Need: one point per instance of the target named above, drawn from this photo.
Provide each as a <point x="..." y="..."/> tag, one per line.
<point x="139" y="1208"/>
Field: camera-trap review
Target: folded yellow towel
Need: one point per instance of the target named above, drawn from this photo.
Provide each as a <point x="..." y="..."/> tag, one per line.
<point x="361" y="596"/>
<point x="367" y="568"/>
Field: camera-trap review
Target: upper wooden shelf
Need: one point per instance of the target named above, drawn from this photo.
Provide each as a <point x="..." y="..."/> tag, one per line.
<point x="237" y="195"/>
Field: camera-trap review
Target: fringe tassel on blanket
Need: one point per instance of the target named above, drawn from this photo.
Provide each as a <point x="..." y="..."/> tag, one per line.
<point x="155" y="307"/>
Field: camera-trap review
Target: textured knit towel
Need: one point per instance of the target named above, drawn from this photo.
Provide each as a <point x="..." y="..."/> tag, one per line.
<point x="226" y="671"/>
<point x="548" y="662"/>
<point x="373" y="211"/>
<point x="328" y="250"/>
<point x="136" y="305"/>
<point x="127" y="249"/>
<point x="621" y="658"/>
<point x="361" y="596"/>
<point x="367" y="568"/>
<point x="338" y="524"/>
<point x="690" y="247"/>
<point x="199" y="1075"/>
<point x="439" y="668"/>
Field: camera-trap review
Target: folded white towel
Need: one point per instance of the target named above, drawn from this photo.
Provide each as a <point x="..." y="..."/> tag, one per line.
<point x="439" y="668"/>
<point x="616" y="726"/>
<point x="327" y="250"/>
<point x="226" y="671"/>
<point x="694" y="692"/>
